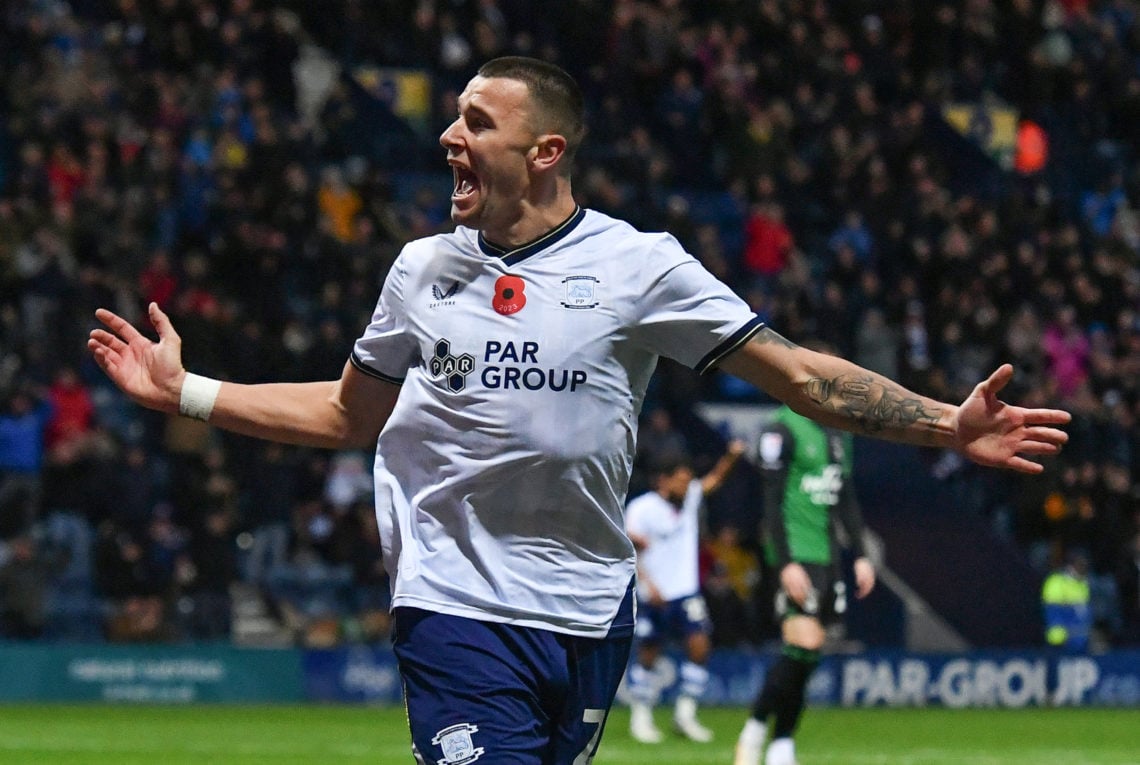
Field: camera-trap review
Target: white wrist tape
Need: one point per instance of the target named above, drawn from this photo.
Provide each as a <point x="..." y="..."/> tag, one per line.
<point x="198" y="396"/>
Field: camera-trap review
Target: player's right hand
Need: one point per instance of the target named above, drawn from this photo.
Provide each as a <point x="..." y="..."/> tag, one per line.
<point x="796" y="582"/>
<point x="864" y="577"/>
<point x="994" y="433"/>
<point x="150" y="373"/>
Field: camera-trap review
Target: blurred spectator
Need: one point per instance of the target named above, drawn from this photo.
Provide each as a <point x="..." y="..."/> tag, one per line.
<point x="25" y="571"/>
<point x="349" y="481"/>
<point x="710" y="251"/>
<point x="22" y="428"/>
<point x="135" y="587"/>
<point x="1067" y="349"/>
<point x="1099" y="208"/>
<point x="853" y="233"/>
<point x="270" y="501"/>
<point x="731" y="575"/>
<point x="204" y="573"/>
<point x="1065" y="509"/>
<point x="877" y="344"/>
<point x="311" y="589"/>
<point x="166" y="542"/>
<point x="768" y="240"/>
<point x="832" y="318"/>
<point x="338" y="202"/>
<point x="1032" y="150"/>
<point x="138" y="487"/>
<point x="368" y="619"/>
<point x="680" y="114"/>
<point x="200" y="484"/>
<point x="1065" y="599"/>
<point x="73" y="412"/>
<point x="46" y="269"/>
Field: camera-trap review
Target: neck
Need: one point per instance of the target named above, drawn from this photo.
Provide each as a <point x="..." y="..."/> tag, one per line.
<point x="528" y="230"/>
<point x="536" y="217"/>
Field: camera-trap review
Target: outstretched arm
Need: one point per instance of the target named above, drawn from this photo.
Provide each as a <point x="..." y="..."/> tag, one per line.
<point x="840" y="394"/>
<point x="335" y="414"/>
<point x="715" y="478"/>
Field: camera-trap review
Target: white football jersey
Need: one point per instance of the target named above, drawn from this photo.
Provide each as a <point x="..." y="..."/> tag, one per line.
<point x="502" y="472"/>
<point x="670" y="559"/>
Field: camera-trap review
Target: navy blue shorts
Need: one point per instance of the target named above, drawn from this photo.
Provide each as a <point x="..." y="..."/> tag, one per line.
<point x="675" y="618"/>
<point x="506" y="695"/>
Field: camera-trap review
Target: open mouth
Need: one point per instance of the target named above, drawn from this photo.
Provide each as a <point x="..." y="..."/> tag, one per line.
<point x="466" y="183"/>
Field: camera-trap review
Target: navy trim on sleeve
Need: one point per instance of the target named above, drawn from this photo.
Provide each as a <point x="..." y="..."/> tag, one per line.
<point x="738" y="338"/>
<point x="356" y="362"/>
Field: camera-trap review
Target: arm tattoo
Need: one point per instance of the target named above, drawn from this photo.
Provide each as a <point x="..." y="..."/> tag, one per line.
<point x="873" y="404"/>
<point x="767" y="335"/>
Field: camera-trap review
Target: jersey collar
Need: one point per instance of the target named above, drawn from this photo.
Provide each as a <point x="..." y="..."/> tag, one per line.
<point x="511" y="256"/>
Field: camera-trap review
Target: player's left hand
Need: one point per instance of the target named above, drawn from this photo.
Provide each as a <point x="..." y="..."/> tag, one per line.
<point x="795" y="581"/>
<point x="994" y="433"/>
<point x="864" y="577"/>
<point x="149" y="372"/>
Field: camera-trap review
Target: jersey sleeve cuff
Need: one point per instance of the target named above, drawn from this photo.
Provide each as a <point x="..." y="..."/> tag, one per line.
<point x="357" y="362"/>
<point x="734" y="341"/>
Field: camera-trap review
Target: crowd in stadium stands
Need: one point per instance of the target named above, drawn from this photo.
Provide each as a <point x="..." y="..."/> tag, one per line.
<point x="232" y="161"/>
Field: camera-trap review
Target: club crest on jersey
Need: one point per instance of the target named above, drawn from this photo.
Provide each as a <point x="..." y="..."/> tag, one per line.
<point x="509" y="295"/>
<point x="771" y="448"/>
<point x="456" y="744"/>
<point x="581" y="292"/>
<point x="443" y="296"/>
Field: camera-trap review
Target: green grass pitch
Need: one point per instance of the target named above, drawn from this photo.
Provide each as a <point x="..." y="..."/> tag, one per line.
<point x="241" y="735"/>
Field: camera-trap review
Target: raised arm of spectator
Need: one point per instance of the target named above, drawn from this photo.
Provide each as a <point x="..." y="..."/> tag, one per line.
<point x="334" y="414"/>
<point x="841" y="394"/>
<point x="715" y="478"/>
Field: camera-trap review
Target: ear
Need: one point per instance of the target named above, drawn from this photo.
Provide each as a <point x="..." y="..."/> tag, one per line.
<point x="547" y="152"/>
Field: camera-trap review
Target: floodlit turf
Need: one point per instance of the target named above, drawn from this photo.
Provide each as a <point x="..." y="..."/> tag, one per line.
<point x="237" y="735"/>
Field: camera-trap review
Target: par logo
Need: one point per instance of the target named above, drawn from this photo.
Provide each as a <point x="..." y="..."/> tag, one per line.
<point x="452" y="369"/>
<point x="456" y="744"/>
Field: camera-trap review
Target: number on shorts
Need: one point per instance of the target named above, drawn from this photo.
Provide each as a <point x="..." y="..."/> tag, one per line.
<point x="695" y="608"/>
<point x="593" y="717"/>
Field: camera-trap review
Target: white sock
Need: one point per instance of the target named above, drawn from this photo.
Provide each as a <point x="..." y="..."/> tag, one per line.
<point x="754" y="733"/>
<point x="642" y="685"/>
<point x="685" y="708"/>
<point x="640" y="714"/>
<point x="782" y="751"/>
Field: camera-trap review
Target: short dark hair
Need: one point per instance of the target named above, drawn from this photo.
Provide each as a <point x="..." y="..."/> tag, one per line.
<point x="668" y="463"/>
<point x="552" y="89"/>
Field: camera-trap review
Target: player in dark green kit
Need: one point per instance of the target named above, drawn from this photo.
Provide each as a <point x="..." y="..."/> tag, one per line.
<point x="807" y="488"/>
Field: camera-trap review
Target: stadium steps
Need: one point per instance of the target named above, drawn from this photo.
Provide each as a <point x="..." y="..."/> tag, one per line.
<point x="980" y="583"/>
<point x="924" y="629"/>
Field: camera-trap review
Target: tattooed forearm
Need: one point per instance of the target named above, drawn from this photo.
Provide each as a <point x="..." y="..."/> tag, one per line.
<point x="873" y="404"/>
<point x="768" y="335"/>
